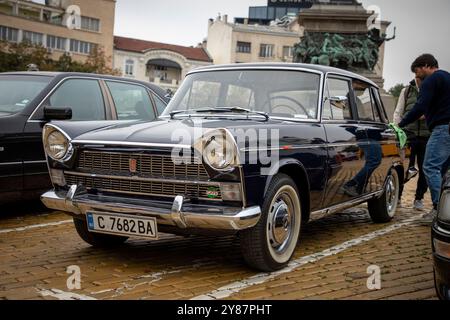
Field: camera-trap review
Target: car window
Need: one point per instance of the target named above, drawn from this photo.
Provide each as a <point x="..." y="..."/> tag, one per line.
<point x="132" y="101"/>
<point x="287" y="94"/>
<point x="337" y="102"/>
<point x="364" y="102"/>
<point x="160" y="105"/>
<point x="16" y="92"/>
<point x="83" y="96"/>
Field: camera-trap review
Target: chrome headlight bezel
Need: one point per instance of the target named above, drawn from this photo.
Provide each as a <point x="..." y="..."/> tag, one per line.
<point x="53" y="132"/>
<point x="219" y="150"/>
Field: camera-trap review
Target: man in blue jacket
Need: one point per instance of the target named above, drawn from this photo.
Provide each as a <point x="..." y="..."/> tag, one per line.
<point x="434" y="103"/>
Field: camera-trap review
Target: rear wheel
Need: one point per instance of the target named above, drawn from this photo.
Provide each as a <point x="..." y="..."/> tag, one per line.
<point x="270" y="245"/>
<point x="97" y="239"/>
<point x="382" y="210"/>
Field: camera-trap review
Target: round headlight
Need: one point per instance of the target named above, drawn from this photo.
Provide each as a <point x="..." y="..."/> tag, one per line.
<point x="219" y="152"/>
<point x="56" y="145"/>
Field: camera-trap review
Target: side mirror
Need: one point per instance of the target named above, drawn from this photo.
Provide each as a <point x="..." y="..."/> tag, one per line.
<point x="57" y="113"/>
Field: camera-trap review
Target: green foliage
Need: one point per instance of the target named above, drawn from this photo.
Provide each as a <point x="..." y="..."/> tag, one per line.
<point x="17" y="56"/>
<point x="396" y="90"/>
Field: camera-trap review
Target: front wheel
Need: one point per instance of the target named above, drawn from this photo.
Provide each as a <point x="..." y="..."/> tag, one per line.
<point x="382" y="210"/>
<point x="97" y="239"/>
<point x="270" y="245"/>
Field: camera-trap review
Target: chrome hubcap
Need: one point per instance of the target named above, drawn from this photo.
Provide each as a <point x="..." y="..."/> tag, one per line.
<point x="281" y="222"/>
<point x="391" y="194"/>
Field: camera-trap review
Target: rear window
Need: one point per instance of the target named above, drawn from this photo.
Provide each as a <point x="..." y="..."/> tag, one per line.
<point x="16" y="92"/>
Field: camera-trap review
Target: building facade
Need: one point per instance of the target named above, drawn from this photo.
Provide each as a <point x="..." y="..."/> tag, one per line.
<point x="240" y="43"/>
<point x="74" y="27"/>
<point x="163" y="64"/>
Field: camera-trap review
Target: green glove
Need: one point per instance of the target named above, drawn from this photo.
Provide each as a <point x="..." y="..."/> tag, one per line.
<point x="401" y="135"/>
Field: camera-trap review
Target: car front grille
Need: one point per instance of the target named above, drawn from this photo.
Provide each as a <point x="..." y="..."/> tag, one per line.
<point x="144" y="187"/>
<point x="149" y="175"/>
<point x="146" y="165"/>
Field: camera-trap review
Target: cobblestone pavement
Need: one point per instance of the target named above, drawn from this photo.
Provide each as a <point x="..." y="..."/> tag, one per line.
<point x="331" y="262"/>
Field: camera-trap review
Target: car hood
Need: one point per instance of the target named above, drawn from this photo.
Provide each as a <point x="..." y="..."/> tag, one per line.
<point x="167" y="132"/>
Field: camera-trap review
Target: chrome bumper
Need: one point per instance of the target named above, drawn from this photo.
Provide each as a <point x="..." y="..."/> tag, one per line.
<point x="181" y="214"/>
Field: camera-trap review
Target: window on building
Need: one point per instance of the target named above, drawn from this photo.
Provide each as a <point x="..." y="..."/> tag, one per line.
<point x="8" y="34"/>
<point x="57" y="43"/>
<point x="86" y="106"/>
<point x="132" y="101"/>
<point x="81" y="46"/>
<point x="244" y="47"/>
<point x="266" y="50"/>
<point x="288" y="51"/>
<point x="90" y="24"/>
<point x="33" y="37"/>
<point x="129" y="67"/>
<point x="53" y="17"/>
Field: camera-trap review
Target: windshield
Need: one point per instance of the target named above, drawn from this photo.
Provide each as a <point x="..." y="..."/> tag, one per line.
<point x="16" y="92"/>
<point x="287" y="94"/>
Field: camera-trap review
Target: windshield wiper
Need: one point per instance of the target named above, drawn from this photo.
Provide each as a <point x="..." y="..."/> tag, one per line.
<point x="223" y="110"/>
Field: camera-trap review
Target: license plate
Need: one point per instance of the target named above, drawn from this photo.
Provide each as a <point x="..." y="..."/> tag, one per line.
<point x="122" y="225"/>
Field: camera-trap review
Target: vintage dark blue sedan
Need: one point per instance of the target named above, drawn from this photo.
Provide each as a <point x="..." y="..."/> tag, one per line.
<point x="251" y="149"/>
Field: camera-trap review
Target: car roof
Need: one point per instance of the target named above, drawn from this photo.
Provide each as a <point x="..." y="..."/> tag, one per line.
<point x="60" y="75"/>
<point x="313" y="67"/>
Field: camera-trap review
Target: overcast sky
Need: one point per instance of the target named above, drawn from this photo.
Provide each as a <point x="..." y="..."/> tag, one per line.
<point x="422" y="26"/>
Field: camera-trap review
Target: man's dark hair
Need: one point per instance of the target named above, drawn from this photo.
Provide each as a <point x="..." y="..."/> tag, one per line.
<point x="425" y="60"/>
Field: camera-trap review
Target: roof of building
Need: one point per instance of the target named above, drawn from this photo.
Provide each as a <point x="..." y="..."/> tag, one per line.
<point x="141" y="46"/>
<point x="265" y="29"/>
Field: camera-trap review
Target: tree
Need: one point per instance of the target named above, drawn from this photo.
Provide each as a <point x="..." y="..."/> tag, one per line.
<point x="396" y="90"/>
<point x="98" y="62"/>
<point x="17" y="57"/>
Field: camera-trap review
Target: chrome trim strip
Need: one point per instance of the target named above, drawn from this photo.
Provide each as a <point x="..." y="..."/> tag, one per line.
<point x="265" y="67"/>
<point x="243" y="188"/>
<point x="148" y="194"/>
<point x="440" y="229"/>
<point x="35" y="162"/>
<point x="130" y="144"/>
<point x="136" y="178"/>
<point x="317" y="215"/>
<point x="10" y="163"/>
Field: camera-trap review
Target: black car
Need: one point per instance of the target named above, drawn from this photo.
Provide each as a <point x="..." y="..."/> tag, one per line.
<point x="441" y="243"/>
<point x="29" y="100"/>
<point x="254" y="149"/>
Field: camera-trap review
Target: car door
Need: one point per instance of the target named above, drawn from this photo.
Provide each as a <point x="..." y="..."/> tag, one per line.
<point x="346" y="142"/>
<point x="85" y="97"/>
<point x="131" y="101"/>
<point x="382" y="139"/>
<point x="11" y="164"/>
<point x="18" y="94"/>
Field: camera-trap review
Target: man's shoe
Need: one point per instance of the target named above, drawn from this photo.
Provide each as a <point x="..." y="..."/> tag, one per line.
<point x="418" y="205"/>
<point x="412" y="173"/>
<point x="428" y="218"/>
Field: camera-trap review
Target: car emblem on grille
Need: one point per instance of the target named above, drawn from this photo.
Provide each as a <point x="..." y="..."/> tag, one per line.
<point x="133" y="165"/>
